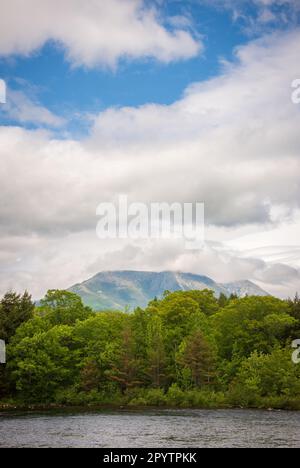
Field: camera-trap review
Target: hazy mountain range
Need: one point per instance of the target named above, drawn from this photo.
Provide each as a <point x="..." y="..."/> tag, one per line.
<point x="120" y="289"/>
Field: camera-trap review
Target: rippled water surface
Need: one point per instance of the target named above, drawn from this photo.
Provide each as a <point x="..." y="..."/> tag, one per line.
<point x="153" y="428"/>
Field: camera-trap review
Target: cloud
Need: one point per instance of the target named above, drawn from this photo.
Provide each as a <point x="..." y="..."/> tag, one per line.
<point x="20" y="108"/>
<point x="97" y="32"/>
<point x="232" y="142"/>
<point x="37" y="264"/>
<point x="235" y="139"/>
<point x="257" y="16"/>
<point x="2" y="92"/>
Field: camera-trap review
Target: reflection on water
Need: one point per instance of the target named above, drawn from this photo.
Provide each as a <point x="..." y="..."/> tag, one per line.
<point x="153" y="428"/>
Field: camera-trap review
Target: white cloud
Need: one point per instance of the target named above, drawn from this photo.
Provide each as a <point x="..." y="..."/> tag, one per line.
<point x="2" y="92"/>
<point x="258" y="15"/>
<point x="235" y="137"/>
<point x="232" y="142"/>
<point x="19" y="107"/>
<point x="94" y="32"/>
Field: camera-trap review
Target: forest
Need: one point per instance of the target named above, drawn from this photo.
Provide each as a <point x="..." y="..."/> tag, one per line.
<point x="187" y="349"/>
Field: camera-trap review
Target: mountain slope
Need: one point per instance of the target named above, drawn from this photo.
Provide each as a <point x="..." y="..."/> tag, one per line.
<point x="120" y="289"/>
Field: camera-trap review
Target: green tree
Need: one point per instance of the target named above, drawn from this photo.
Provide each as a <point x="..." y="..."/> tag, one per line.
<point x="63" y="308"/>
<point x="223" y="300"/>
<point x="156" y="356"/>
<point x="233" y="297"/>
<point x="206" y="300"/>
<point x="124" y="369"/>
<point x="294" y="308"/>
<point x="14" y="310"/>
<point x="267" y="375"/>
<point x="198" y="357"/>
<point x="41" y="365"/>
<point x="98" y="340"/>
<point x="249" y="324"/>
<point x="90" y="375"/>
<point x="185" y="345"/>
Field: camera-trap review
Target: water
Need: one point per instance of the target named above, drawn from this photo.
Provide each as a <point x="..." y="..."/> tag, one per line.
<point x="153" y="428"/>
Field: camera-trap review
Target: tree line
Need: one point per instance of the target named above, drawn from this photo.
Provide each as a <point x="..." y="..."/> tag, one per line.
<point x="185" y="349"/>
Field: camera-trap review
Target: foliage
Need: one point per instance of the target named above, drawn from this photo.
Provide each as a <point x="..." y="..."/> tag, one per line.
<point x="249" y="324"/>
<point x="63" y="307"/>
<point x="14" y="310"/>
<point x="268" y="375"/>
<point x="186" y="349"/>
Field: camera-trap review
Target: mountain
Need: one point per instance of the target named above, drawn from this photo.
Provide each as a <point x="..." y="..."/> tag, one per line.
<point x="120" y="289"/>
<point x="244" y="288"/>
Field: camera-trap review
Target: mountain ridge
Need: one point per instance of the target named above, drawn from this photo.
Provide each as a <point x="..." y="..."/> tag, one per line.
<point x="119" y="289"/>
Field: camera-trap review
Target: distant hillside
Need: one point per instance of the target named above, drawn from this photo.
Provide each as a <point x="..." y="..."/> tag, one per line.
<point x="120" y="289"/>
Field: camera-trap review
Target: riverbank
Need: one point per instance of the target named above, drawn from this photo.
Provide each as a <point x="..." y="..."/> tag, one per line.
<point x="266" y="404"/>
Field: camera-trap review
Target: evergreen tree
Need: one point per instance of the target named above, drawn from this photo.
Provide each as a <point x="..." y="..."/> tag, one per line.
<point x="199" y="358"/>
<point x="14" y="310"/>
<point x="124" y="367"/>
<point x="156" y="355"/>
<point x="223" y="300"/>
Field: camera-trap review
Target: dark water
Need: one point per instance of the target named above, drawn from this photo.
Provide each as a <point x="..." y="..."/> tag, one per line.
<point x="153" y="428"/>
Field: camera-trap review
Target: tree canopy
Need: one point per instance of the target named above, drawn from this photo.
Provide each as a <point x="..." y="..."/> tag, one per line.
<point x="187" y="348"/>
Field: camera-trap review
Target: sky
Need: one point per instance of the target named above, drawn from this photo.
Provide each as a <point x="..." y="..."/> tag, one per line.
<point x="162" y="101"/>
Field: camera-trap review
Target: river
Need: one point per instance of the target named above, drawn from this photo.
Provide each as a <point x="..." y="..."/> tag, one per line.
<point x="152" y="428"/>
